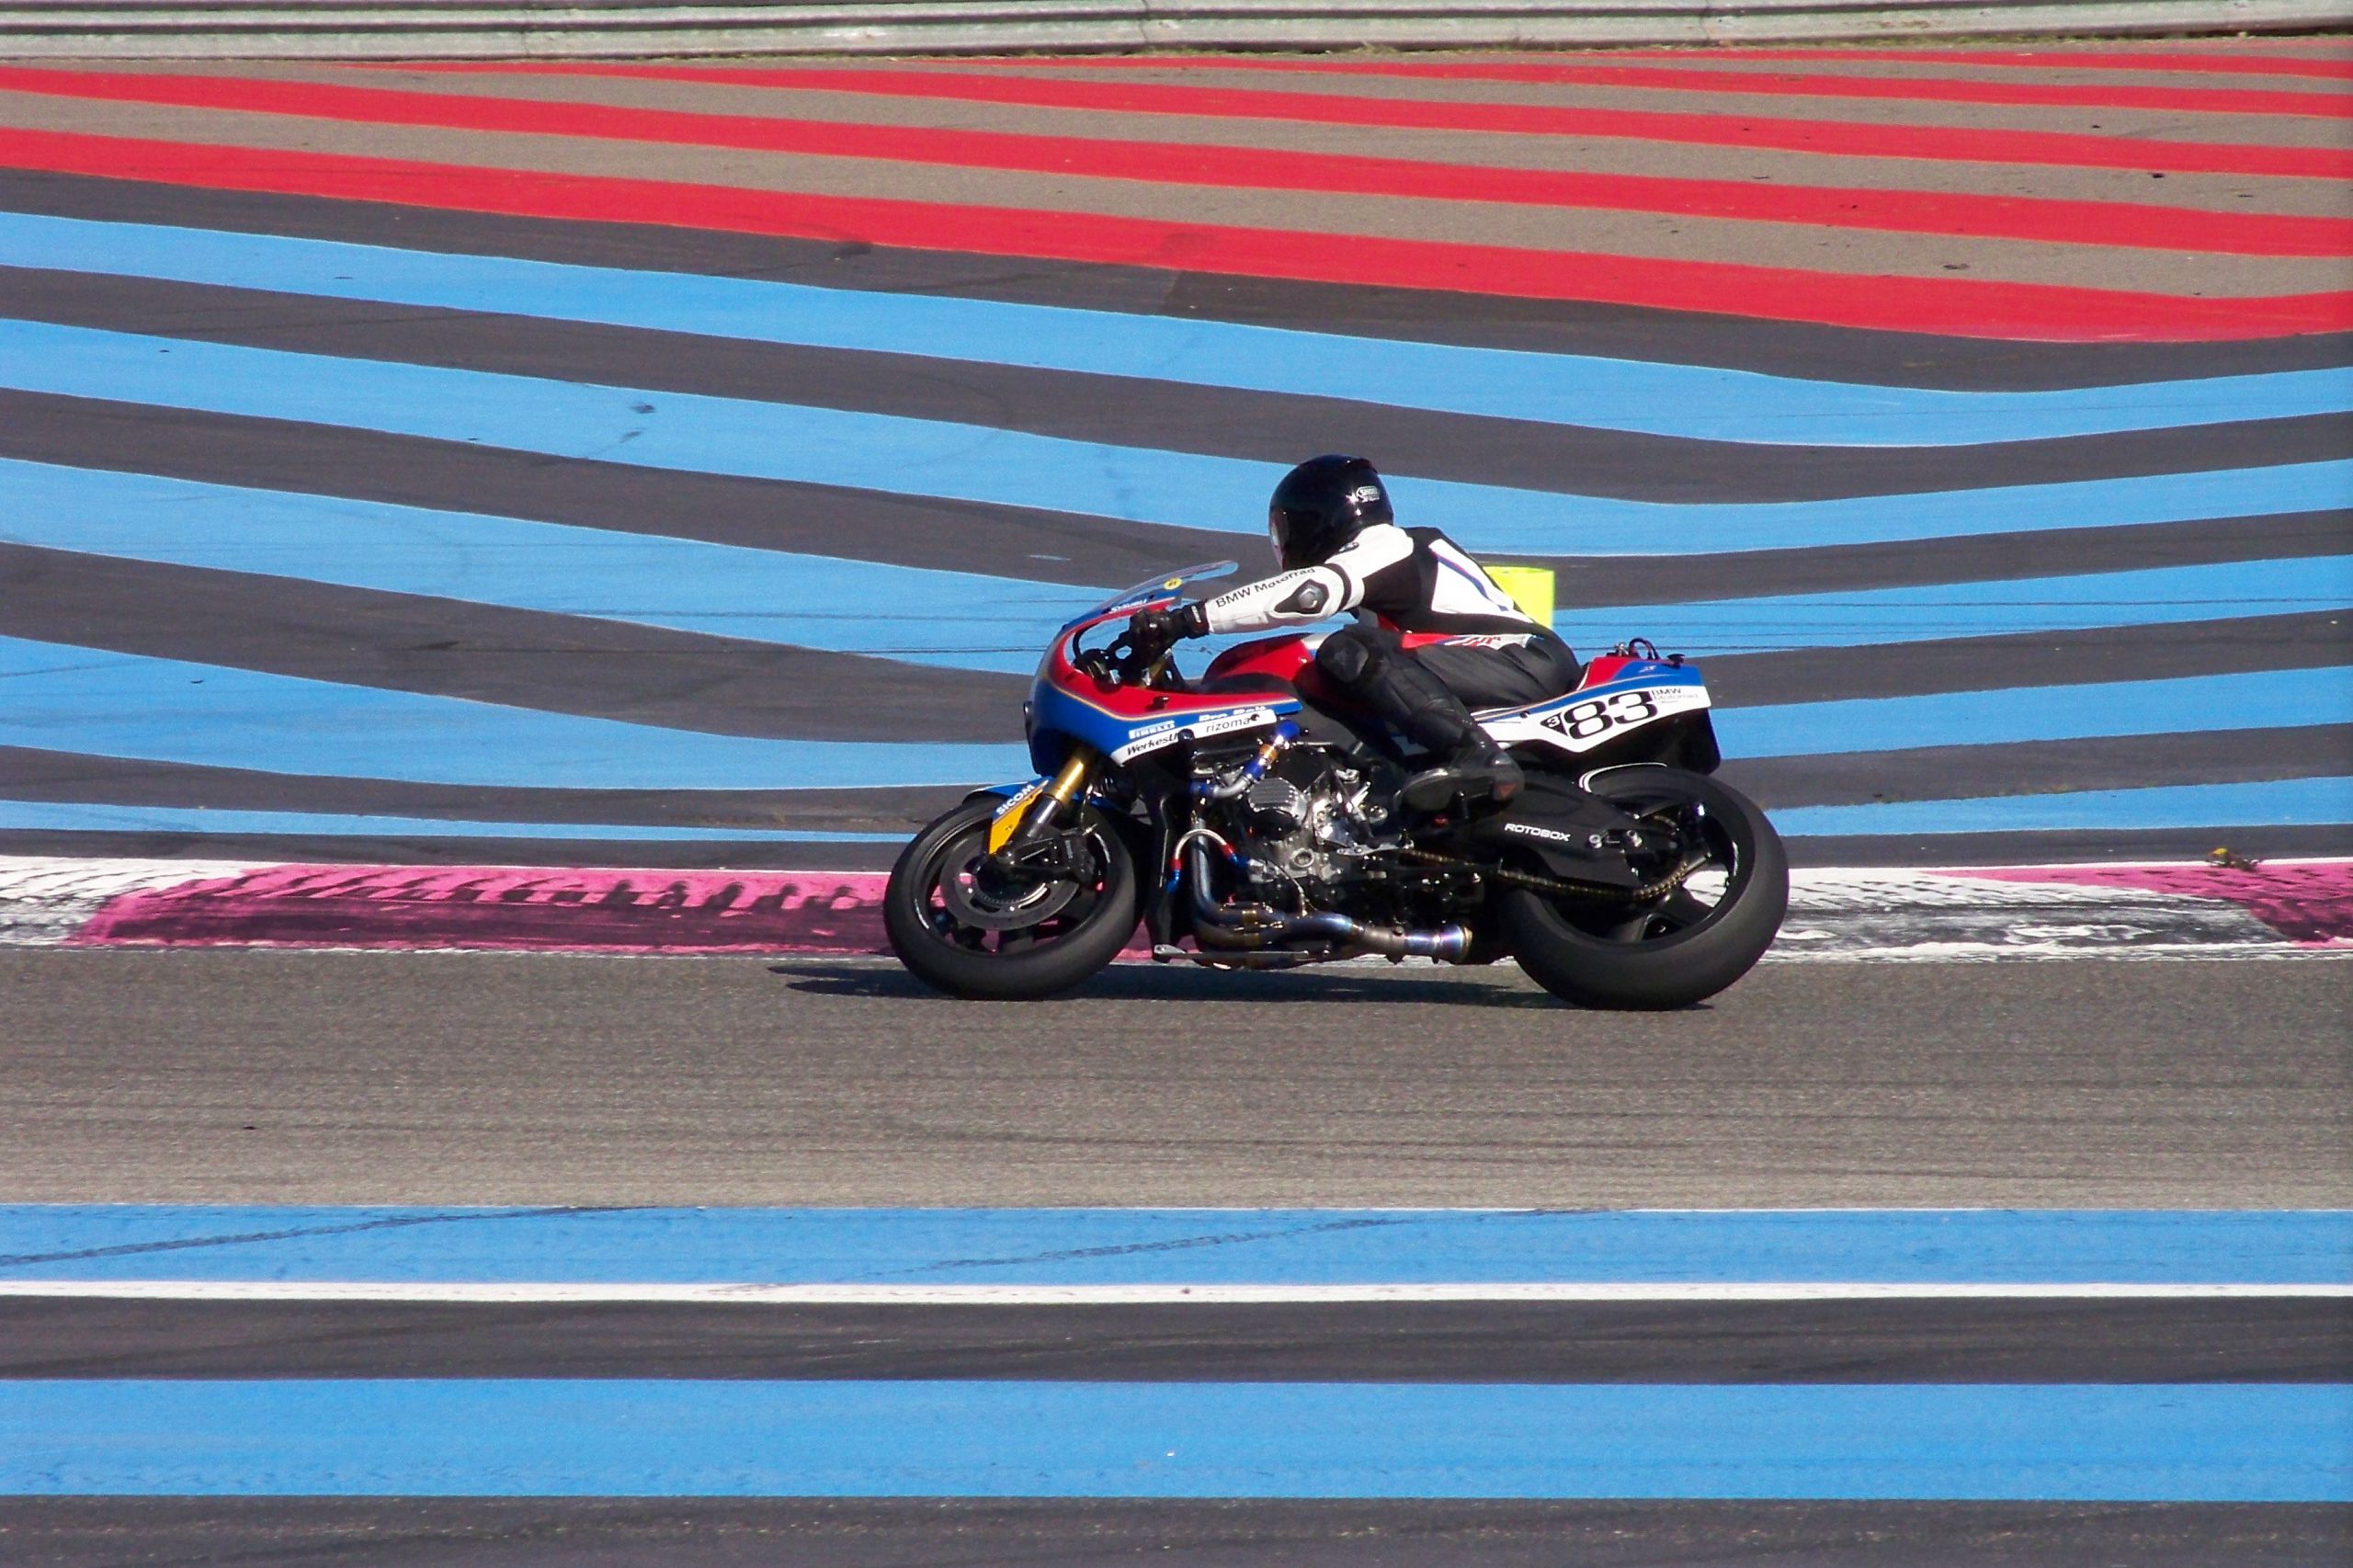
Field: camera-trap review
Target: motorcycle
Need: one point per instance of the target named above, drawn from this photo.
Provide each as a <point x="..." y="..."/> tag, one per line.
<point x="1252" y="814"/>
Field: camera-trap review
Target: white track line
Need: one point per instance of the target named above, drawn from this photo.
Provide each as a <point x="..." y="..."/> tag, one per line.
<point x="1124" y="1295"/>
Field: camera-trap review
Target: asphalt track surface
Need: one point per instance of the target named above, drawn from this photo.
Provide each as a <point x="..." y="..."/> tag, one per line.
<point x="516" y="1532"/>
<point x="253" y="1076"/>
<point x="226" y="1076"/>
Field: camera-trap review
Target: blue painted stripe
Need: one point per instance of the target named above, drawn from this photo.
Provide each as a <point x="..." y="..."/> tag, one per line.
<point x="2011" y="607"/>
<point x="83" y="816"/>
<point x="1175" y="1439"/>
<point x="2259" y="699"/>
<point x="2277" y="802"/>
<point x="784" y="441"/>
<point x="2235" y="1443"/>
<point x="65" y="697"/>
<point x="1171" y="1246"/>
<point x="1597" y="392"/>
<point x="953" y="620"/>
<point x="968" y="620"/>
<point x="62" y="698"/>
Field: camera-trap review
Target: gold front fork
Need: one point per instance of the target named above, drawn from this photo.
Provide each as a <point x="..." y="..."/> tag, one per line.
<point x="1067" y="787"/>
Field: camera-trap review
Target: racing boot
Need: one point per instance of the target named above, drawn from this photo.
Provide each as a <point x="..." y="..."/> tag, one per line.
<point x="1477" y="770"/>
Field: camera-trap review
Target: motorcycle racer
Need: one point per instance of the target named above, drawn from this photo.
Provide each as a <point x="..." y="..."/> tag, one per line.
<point x="1336" y="538"/>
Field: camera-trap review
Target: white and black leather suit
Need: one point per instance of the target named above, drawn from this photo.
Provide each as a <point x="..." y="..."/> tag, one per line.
<point x="1407" y="579"/>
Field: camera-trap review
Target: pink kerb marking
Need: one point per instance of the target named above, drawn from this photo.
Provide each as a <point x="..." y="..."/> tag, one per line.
<point x="2306" y="901"/>
<point x="507" y="907"/>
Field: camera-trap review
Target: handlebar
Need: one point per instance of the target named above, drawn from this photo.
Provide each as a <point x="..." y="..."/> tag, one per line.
<point x="1131" y="659"/>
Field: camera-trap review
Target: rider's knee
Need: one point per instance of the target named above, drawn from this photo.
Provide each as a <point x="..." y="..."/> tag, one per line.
<point x="1350" y="657"/>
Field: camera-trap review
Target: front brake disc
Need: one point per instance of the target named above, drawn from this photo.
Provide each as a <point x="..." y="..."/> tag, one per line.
<point x="979" y="896"/>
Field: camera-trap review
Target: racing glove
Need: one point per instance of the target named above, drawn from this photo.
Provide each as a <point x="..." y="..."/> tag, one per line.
<point x="1160" y="630"/>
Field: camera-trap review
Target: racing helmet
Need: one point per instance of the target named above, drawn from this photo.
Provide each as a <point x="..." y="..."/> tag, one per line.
<point x="1321" y="505"/>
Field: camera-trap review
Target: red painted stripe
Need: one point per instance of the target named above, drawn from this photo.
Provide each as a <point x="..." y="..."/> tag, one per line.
<point x="1943" y="144"/>
<point x="1957" y="307"/>
<point x="2016" y="218"/>
<point x="2201" y="61"/>
<point x="2330" y="68"/>
<point x="1940" y="89"/>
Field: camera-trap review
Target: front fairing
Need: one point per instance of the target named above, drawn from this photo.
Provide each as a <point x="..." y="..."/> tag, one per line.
<point x="1127" y="721"/>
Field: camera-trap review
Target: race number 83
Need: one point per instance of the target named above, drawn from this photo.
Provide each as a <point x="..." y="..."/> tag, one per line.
<point x="1587" y="720"/>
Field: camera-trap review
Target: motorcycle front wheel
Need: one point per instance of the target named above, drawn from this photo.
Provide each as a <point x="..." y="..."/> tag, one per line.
<point x="963" y="929"/>
<point x="1672" y="952"/>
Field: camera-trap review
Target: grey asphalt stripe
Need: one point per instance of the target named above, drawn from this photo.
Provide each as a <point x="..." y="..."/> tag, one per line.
<point x="2054" y="68"/>
<point x="1848" y="1341"/>
<point x="1043" y="546"/>
<point x="2128" y="762"/>
<point x="562" y="663"/>
<point x="2079" y="120"/>
<point x="1125" y="412"/>
<point x="2306" y="640"/>
<point x="1664" y="237"/>
<point x="2218" y="193"/>
<point x="419" y="1078"/>
<point x="1475" y="320"/>
<point x="804" y="77"/>
<point x="2059" y="552"/>
<point x="89" y="1532"/>
<point x="34" y="774"/>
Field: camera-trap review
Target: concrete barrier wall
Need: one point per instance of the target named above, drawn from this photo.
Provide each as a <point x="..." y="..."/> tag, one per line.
<point x="474" y="29"/>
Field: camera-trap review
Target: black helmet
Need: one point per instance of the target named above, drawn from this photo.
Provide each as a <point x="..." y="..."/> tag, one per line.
<point x="1321" y="505"/>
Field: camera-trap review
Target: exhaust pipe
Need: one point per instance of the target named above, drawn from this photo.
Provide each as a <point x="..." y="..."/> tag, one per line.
<point x="1256" y="926"/>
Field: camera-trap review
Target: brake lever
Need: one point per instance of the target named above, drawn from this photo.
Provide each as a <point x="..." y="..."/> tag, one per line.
<point x="1104" y="665"/>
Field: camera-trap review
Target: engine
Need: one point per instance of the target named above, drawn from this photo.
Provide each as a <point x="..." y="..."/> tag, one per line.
<point x="1291" y="856"/>
<point x="1304" y="829"/>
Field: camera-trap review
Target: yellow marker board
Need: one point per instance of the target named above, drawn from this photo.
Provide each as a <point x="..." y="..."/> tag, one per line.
<point x="1530" y="588"/>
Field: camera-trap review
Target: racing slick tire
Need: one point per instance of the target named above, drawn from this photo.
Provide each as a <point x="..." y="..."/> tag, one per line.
<point x="968" y="942"/>
<point x="1683" y="948"/>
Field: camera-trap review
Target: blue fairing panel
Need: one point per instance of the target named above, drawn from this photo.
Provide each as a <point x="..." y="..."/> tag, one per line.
<point x="1057" y="717"/>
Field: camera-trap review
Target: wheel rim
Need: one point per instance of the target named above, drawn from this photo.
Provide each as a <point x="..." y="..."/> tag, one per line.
<point x="1703" y="897"/>
<point x="963" y="904"/>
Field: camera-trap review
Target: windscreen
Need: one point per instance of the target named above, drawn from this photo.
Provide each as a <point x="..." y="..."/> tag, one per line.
<point x="1157" y="587"/>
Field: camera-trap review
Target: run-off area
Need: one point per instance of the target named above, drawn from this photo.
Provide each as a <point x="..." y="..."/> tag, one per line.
<point x="2062" y="1357"/>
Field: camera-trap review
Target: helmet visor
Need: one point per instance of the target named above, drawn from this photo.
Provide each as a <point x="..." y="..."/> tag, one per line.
<point x="1287" y="525"/>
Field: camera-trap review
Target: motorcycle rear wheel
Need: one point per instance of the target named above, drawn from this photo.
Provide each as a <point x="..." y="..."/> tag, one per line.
<point x="1682" y="948"/>
<point x="972" y="940"/>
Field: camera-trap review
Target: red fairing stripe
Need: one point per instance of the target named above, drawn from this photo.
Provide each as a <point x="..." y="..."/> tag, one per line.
<point x="1954" y="307"/>
<point x="1602" y="671"/>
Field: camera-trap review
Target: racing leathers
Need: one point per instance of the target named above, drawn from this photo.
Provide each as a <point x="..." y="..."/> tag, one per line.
<point x="1414" y="580"/>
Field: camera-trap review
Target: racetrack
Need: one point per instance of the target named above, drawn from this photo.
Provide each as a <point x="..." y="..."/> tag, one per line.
<point x="2072" y="1088"/>
<point x="670" y="473"/>
<point x="372" y="1078"/>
